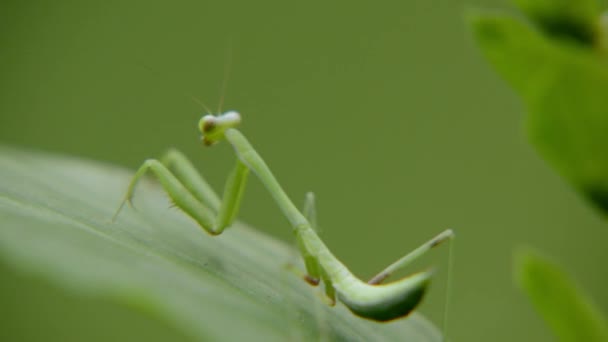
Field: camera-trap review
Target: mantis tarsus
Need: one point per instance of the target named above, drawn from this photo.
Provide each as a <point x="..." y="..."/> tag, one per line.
<point x="191" y="193"/>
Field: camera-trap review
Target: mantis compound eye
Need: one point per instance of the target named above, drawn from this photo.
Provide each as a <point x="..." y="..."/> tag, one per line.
<point x="213" y="127"/>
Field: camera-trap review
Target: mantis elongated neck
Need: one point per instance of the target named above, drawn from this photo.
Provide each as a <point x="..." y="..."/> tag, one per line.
<point x="245" y="152"/>
<point x="254" y="162"/>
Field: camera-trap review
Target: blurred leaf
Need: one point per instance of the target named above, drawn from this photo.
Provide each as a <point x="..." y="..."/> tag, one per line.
<point x="564" y="88"/>
<point x="577" y="19"/>
<point x="54" y="213"/>
<point x="565" y="308"/>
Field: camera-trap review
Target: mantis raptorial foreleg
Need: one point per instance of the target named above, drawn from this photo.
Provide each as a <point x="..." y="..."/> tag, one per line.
<point x="184" y="171"/>
<point x="192" y="194"/>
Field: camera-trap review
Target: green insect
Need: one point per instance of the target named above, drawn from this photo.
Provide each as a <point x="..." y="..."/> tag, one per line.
<point x="192" y="194"/>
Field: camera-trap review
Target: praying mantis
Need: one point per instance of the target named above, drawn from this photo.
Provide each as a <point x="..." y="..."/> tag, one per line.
<point x="192" y="194"/>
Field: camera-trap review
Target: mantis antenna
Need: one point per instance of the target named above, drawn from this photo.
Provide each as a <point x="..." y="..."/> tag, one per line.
<point x="191" y="193"/>
<point x="227" y="67"/>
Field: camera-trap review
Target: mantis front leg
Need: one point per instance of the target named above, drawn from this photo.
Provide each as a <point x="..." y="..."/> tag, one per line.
<point x="191" y="193"/>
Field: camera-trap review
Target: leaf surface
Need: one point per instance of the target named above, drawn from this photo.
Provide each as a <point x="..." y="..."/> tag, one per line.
<point x="55" y="224"/>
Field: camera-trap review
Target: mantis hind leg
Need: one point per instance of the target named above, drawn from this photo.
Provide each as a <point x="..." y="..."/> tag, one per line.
<point x="446" y="235"/>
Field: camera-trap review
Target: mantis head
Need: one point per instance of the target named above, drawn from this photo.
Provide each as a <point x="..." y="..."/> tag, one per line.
<point x="213" y="127"/>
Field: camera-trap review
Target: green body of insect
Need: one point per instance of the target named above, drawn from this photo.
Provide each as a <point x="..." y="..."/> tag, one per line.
<point x="190" y="192"/>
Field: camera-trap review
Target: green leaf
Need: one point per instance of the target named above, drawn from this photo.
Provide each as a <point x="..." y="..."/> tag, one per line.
<point x="564" y="87"/>
<point x="565" y="308"/>
<point x="55" y="225"/>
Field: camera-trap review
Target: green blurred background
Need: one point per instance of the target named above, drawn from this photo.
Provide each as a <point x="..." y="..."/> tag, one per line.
<point x="386" y="110"/>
